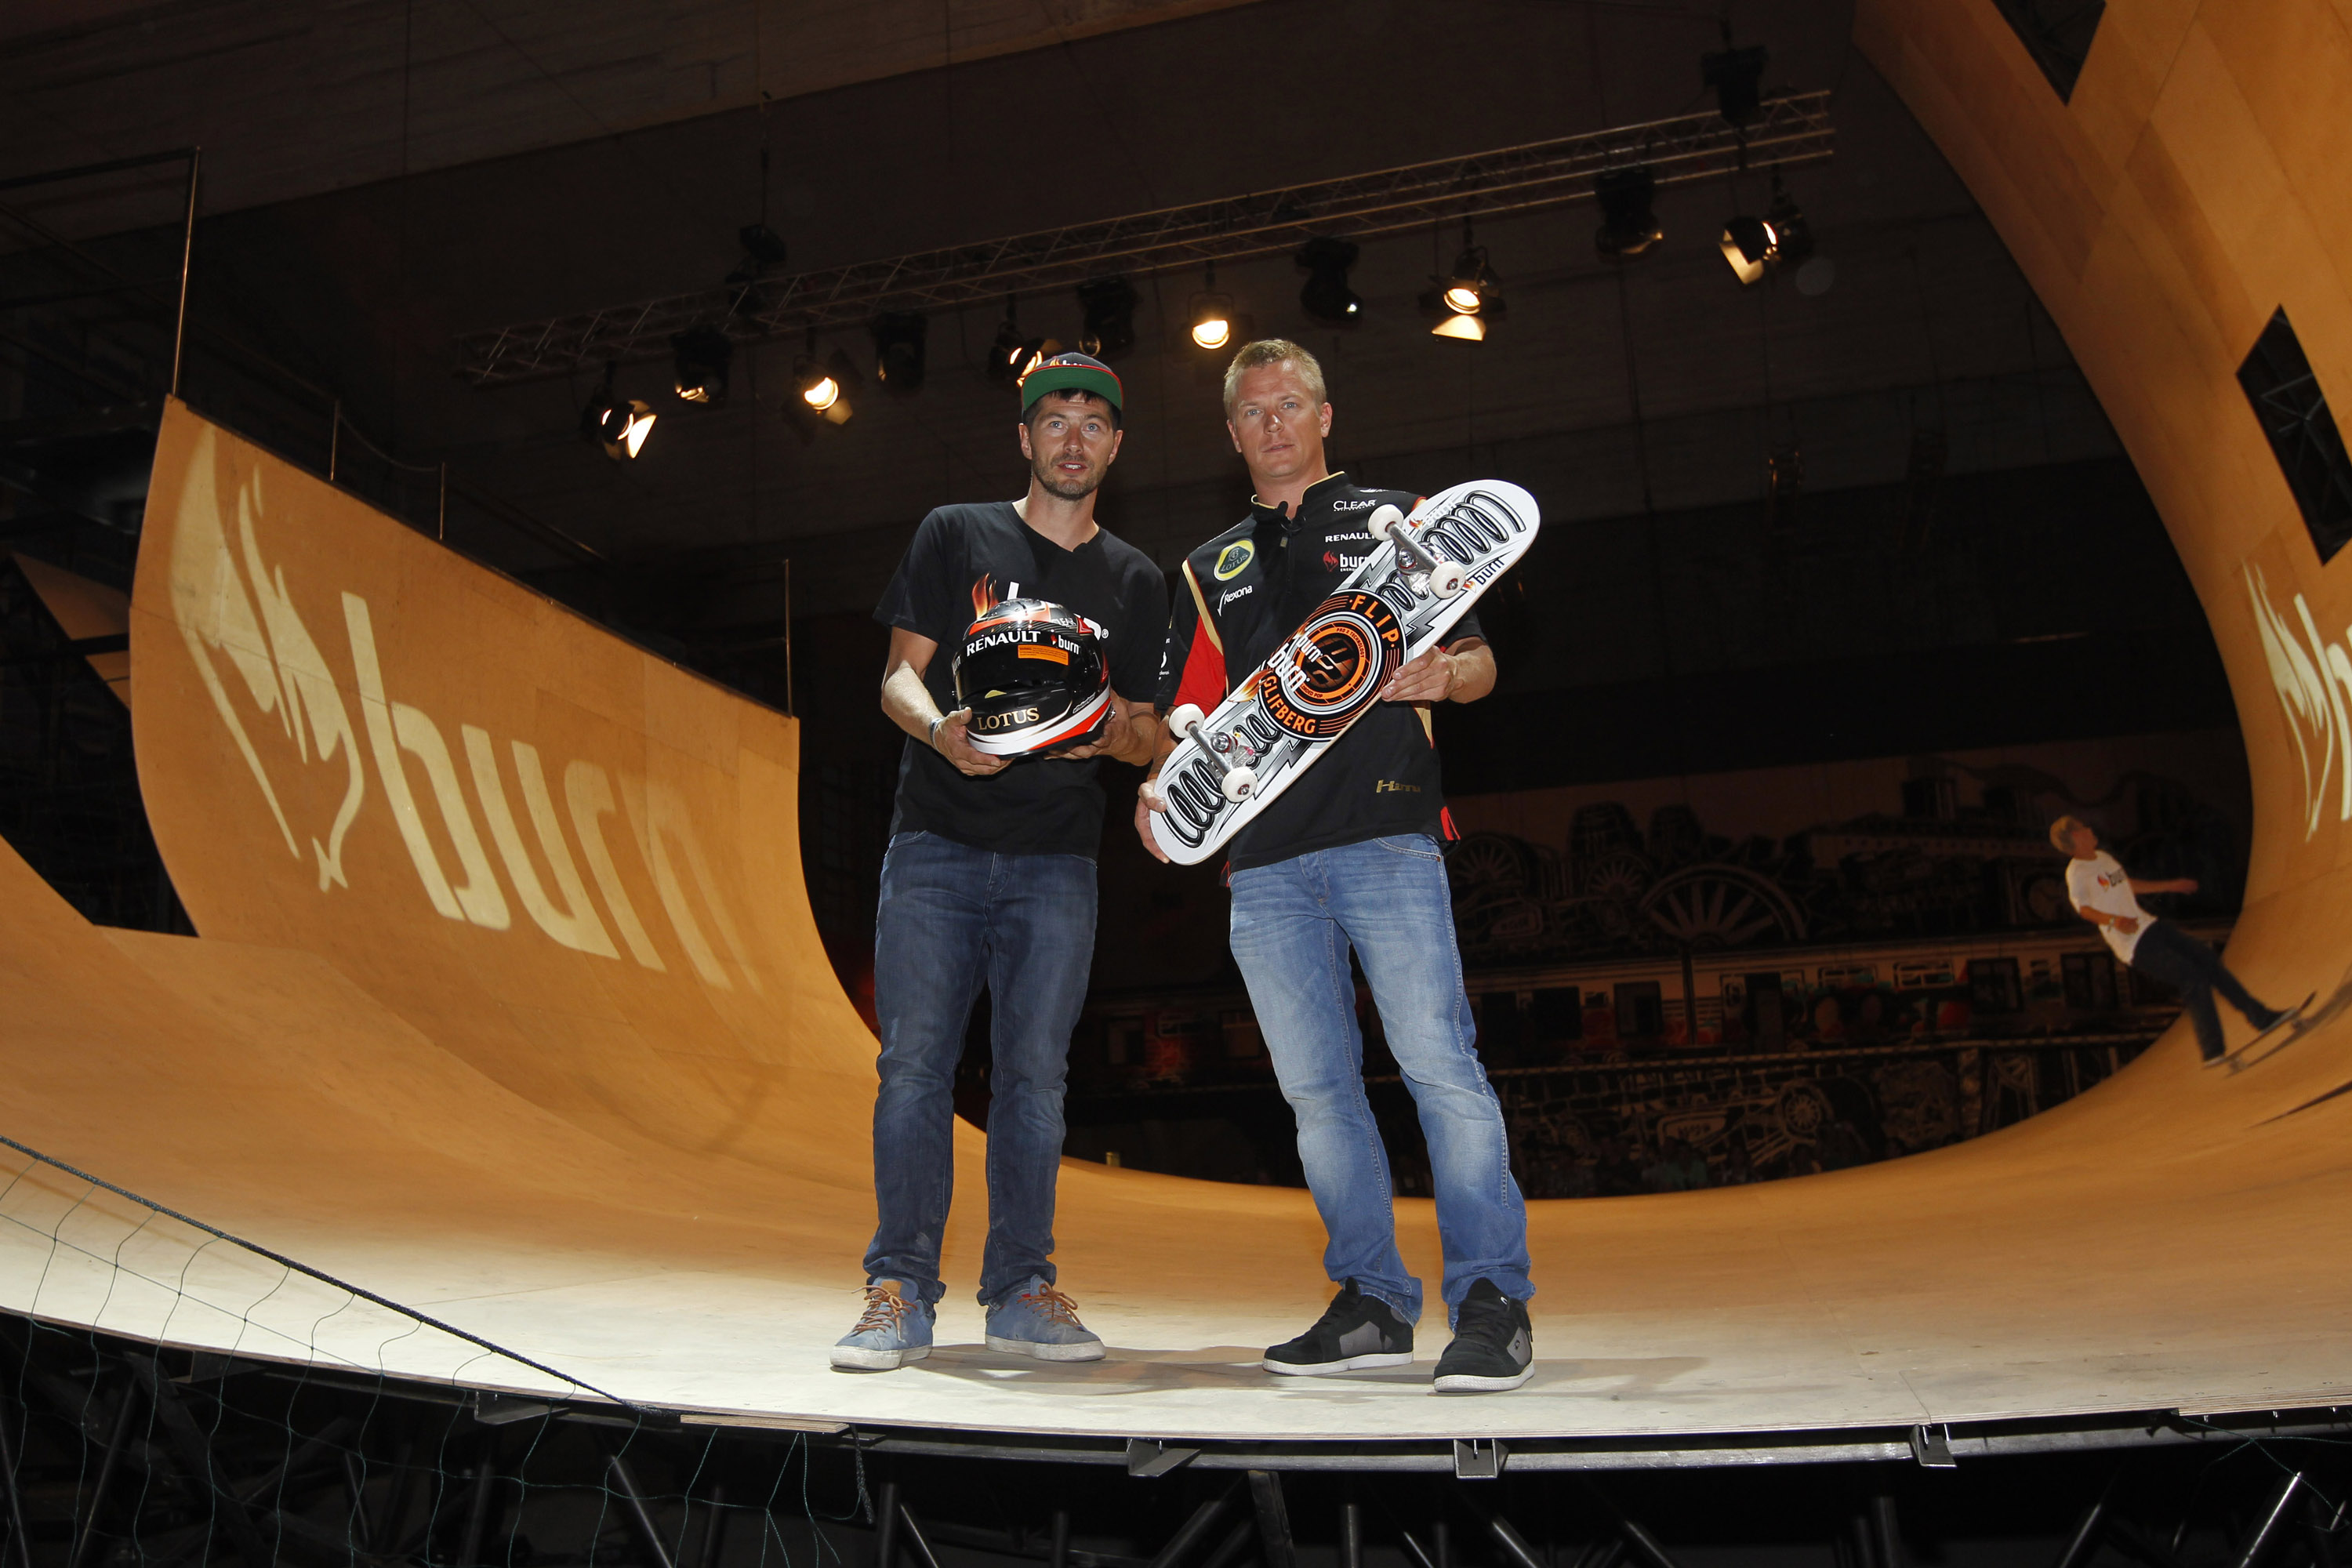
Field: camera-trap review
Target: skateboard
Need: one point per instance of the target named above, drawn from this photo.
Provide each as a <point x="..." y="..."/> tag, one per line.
<point x="2238" y="1059"/>
<point x="1426" y="572"/>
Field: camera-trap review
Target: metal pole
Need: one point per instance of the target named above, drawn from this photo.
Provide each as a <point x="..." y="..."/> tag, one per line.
<point x="187" y="253"/>
<point x="923" y="1551"/>
<point x="334" y="439"/>
<point x="788" y="709"/>
<point x="1885" y="1535"/>
<point x="2263" y="1531"/>
<point x="2086" y="1537"/>
<point x="1193" y="1528"/>
<point x="1514" y="1545"/>
<point x="1272" y="1519"/>
<point x="1351" y="1535"/>
<point x="477" y="1517"/>
<point x="16" y="1501"/>
<point x="1231" y="1546"/>
<point x="441" y="523"/>
<point x="714" y="1533"/>
<point x="1060" y="1556"/>
<point x="106" y="1468"/>
<point x="638" y="1511"/>
<point x="886" y="1526"/>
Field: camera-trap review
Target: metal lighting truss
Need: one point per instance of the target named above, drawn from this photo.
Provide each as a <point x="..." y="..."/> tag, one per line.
<point x="1792" y="129"/>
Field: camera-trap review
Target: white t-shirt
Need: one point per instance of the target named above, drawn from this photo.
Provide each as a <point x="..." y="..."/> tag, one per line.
<point x="2100" y="883"/>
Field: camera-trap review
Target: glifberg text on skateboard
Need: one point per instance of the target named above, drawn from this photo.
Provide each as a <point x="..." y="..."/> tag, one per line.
<point x="1430" y="569"/>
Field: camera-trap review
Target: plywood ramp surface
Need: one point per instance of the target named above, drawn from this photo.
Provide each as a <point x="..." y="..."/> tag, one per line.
<point x="509" y="1006"/>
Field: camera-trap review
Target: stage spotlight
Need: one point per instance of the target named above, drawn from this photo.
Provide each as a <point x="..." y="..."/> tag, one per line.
<point x="1749" y="245"/>
<point x="1326" y="297"/>
<point x="823" y="386"/>
<point x="700" y="358"/>
<point x="1792" y="235"/>
<point x="1628" y="225"/>
<point x="1013" y="356"/>
<point x="761" y="244"/>
<point x="1472" y="279"/>
<point x="898" y="351"/>
<point x="1446" y="322"/>
<point x="1109" y="304"/>
<point x="1737" y="76"/>
<point x="619" y="425"/>
<point x="1213" y="315"/>
<point x="1753" y="244"/>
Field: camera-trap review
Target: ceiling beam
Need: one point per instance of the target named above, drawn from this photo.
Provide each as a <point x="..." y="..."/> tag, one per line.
<point x="1793" y="128"/>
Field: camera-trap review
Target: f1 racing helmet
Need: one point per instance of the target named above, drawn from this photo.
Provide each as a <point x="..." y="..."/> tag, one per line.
<point x="1036" y="676"/>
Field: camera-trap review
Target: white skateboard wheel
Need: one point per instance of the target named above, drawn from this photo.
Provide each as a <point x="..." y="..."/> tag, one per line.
<point x="1240" y="784"/>
<point x="1447" y="580"/>
<point x="1184" y="721"/>
<point x="1386" y="518"/>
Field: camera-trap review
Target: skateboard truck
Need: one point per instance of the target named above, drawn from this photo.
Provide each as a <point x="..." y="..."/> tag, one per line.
<point x="1443" y="578"/>
<point x="1240" y="781"/>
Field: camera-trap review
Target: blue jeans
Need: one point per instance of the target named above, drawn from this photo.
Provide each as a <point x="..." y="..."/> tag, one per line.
<point x="2190" y="967"/>
<point x="1293" y="924"/>
<point x="951" y="917"/>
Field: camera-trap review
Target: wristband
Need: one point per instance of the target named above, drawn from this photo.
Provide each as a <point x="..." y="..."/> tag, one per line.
<point x="933" y="739"/>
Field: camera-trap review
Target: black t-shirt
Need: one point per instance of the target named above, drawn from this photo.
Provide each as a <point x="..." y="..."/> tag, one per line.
<point x="964" y="559"/>
<point x="1241" y="595"/>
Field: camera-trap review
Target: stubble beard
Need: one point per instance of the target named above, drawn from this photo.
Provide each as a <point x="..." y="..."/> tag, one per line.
<point x="1067" y="490"/>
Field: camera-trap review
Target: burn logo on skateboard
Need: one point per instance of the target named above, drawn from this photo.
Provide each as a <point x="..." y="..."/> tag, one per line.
<point x="1334" y="665"/>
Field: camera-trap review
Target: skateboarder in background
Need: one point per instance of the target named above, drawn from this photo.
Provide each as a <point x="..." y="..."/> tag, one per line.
<point x="1350" y="857"/>
<point x="2104" y="895"/>
<point x="990" y="876"/>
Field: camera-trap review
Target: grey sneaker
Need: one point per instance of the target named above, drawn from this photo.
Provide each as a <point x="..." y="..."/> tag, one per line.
<point x="1039" y="1320"/>
<point x="895" y="1329"/>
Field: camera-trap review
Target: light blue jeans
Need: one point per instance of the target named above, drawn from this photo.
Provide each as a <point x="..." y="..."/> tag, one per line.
<point x="953" y="916"/>
<point x="1293" y="924"/>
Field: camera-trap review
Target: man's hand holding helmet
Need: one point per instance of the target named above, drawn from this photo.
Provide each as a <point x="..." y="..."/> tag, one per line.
<point x="951" y="738"/>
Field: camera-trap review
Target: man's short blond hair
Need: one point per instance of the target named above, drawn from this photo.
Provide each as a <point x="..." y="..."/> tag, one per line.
<point x="2062" y="834"/>
<point x="1274" y="350"/>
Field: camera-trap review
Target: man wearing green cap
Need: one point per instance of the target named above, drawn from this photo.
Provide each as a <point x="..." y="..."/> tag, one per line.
<point x="990" y="879"/>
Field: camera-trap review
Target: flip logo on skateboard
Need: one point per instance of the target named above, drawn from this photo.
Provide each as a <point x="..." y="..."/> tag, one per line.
<point x="1334" y="665"/>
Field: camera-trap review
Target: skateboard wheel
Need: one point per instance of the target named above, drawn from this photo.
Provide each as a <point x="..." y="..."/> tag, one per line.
<point x="1447" y="580"/>
<point x="1385" y="519"/>
<point x="1183" y="722"/>
<point x="1239" y="785"/>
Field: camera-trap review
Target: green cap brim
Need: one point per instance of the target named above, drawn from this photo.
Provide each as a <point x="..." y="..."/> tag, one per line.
<point x="1097" y="379"/>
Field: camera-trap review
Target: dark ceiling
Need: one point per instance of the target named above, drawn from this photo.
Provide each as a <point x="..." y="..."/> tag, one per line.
<point x="1652" y="388"/>
<point x="363" y="290"/>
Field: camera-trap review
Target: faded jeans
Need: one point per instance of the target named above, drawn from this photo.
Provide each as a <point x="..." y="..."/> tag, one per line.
<point x="951" y="916"/>
<point x="1293" y="924"/>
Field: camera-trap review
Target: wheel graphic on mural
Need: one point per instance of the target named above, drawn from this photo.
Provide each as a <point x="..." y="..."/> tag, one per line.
<point x="1622" y="875"/>
<point x="1804" y="1109"/>
<point x="1715" y="906"/>
<point x="1493" y="862"/>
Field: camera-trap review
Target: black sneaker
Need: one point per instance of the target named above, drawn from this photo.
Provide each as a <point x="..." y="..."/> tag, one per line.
<point x="1493" y="1348"/>
<point x="1355" y="1332"/>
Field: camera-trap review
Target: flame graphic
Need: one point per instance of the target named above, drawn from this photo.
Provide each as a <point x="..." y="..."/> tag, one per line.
<point x="983" y="595"/>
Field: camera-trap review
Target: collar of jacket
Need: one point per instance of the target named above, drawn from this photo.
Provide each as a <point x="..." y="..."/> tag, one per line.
<point x="1262" y="515"/>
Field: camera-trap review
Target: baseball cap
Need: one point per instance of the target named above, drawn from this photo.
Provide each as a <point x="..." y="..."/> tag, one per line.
<point x="1071" y="373"/>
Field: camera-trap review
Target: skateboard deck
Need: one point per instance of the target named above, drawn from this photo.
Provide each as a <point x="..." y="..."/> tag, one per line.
<point x="2269" y="1042"/>
<point x="1425" y="573"/>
